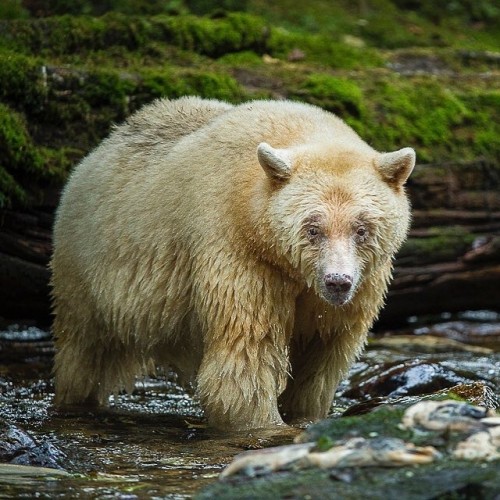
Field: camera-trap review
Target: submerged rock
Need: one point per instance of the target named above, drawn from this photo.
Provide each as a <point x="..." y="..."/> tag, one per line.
<point x="15" y="471"/>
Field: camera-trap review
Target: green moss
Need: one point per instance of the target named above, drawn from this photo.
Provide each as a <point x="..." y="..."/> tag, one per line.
<point x="233" y="32"/>
<point x="108" y="89"/>
<point x="391" y="23"/>
<point x="441" y="122"/>
<point x="484" y="137"/>
<point x="69" y="78"/>
<point x="244" y="58"/>
<point x="175" y="83"/>
<point x="10" y="190"/>
<point x="322" y="49"/>
<point x="22" y="81"/>
<point x="442" y="479"/>
<point x="374" y="423"/>
<point x="213" y="85"/>
<point x="67" y="34"/>
<point x="421" y="113"/>
<point x="338" y="95"/>
<point x="16" y="146"/>
<point x="214" y="37"/>
<point x="467" y="10"/>
<point x="12" y="9"/>
<point x="388" y="27"/>
<point x="20" y="162"/>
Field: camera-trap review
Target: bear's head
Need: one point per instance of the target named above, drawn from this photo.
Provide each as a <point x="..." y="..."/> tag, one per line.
<point x="336" y="213"/>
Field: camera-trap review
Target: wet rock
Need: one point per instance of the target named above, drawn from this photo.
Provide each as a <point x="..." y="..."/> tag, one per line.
<point x="477" y="394"/>
<point x="411" y="377"/>
<point x="482" y="425"/>
<point x="464" y="331"/>
<point x="321" y="449"/>
<point x="352" y="457"/>
<point x="427" y="343"/>
<point x="19" y="448"/>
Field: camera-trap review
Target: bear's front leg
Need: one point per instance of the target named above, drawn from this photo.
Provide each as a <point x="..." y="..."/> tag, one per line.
<point x="248" y="313"/>
<point x="319" y="361"/>
<point x="239" y="382"/>
<point x="314" y="378"/>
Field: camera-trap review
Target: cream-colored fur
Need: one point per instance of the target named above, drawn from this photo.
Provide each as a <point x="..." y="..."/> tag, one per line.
<point x="185" y="240"/>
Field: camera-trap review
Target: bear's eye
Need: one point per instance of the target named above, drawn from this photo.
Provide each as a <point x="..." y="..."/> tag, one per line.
<point x="313" y="232"/>
<point x="361" y="233"/>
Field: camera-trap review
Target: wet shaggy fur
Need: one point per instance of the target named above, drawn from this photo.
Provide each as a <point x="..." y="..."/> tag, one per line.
<point x="202" y="236"/>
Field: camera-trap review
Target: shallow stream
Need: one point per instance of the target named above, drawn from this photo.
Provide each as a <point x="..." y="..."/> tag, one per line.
<point x="154" y="444"/>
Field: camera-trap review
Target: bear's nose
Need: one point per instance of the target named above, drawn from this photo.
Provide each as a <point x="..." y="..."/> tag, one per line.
<point x="339" y="283"/>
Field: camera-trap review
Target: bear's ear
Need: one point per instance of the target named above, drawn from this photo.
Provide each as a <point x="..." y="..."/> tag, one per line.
<point x="397" y="166"/>
<point x="277" y="163"/>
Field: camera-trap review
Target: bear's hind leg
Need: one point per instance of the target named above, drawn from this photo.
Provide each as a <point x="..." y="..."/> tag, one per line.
<point x="77" y="377"/>
<point x="86" y="375"/>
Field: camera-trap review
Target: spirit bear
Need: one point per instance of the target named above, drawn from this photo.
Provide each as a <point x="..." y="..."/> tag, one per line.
<point x="247" y="247"/>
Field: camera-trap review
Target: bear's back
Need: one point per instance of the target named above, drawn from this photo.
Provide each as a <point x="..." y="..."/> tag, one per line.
<point x="167" y="121"/>
<point x="284" y="123"/>
<point x="134" y="148"/>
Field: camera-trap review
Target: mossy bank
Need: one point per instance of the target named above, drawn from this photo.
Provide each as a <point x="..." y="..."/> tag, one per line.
<point x="65" y="79"/>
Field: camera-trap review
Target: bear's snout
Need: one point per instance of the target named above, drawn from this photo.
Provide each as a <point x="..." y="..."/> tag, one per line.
<point x="338" y="282"/>
<point x="338" y="287"/>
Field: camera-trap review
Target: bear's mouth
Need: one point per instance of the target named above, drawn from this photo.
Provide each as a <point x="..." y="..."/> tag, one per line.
<point x="336" y="297"/>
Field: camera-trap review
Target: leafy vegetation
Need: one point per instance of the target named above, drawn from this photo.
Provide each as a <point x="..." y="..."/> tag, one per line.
<point x="400" y="72"/>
